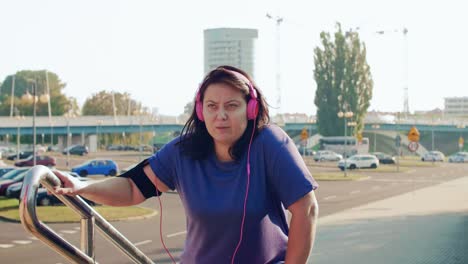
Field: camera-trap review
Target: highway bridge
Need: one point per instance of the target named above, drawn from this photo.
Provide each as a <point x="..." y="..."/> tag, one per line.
<point x="131" y="124"/>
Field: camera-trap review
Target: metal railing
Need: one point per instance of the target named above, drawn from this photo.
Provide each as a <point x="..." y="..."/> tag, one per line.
<point x="89" y="217"/>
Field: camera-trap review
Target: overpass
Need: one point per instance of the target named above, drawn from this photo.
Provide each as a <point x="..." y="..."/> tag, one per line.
<point x="87" y="125"/>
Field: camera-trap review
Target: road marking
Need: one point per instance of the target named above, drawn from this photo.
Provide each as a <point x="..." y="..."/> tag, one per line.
<point x="177" y="234"/>
<point x="22" y="242"/>
<point x="68" y="231"/>
<point x="330" y="197"/>
<point x="33" y="238"/>
<point x="354" y="192"/>
<point x="143" y="242"/>
<point x="407" y="181"/>
<point x="6" y="245"/>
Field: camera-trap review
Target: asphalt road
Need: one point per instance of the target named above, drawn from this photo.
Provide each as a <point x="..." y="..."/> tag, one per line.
<point x="18" y="246"/>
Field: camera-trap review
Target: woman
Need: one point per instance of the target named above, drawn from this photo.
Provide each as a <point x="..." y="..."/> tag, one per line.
<point x="235" y="175"/>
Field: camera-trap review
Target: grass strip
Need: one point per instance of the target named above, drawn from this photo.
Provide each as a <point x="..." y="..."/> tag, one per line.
<point x="63" y="214"/>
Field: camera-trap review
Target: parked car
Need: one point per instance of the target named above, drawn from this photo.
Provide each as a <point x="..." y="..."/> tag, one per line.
<point x="76" y="150"/>
<point x="327" y="155"/>
<point x="14" y="190"/>
<point x="11" y="179"/>
<point x="359" y="161"/>
<point x="384" y="158"/>
<point x="459" y="157"/>
<point x="40" y="160"/>
<point x="308" y="151"/>
<point x="97" y="166"/>
<point x="433" y="155"/>
<point x="45" y="199"/>
<point x="4" y="170"/>
<point x="22" y="155"/>
<point x="122" y="171"/>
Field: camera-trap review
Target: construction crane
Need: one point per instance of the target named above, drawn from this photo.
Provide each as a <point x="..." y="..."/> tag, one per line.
<point x="278" y="20"/>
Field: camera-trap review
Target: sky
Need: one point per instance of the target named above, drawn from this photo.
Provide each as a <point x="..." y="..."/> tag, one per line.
<point x="154" y="49"/>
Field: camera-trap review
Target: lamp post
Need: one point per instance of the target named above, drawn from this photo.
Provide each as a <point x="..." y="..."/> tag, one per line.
<point x="99" y="123"/>
<point x="18" y="118"/>
<point x="345" y="116"/>
<point x="28" y="98"/>
<point x="375" y="127"/>
<point x="69" y="115"/>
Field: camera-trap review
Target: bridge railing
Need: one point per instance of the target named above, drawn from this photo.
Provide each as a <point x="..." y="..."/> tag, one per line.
<point x="89" y="217"/>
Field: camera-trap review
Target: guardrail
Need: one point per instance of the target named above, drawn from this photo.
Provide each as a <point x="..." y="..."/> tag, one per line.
<point x="89" y="217"/>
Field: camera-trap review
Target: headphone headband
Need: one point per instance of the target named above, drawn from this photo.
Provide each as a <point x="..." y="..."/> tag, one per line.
<point x="252" y="105"/>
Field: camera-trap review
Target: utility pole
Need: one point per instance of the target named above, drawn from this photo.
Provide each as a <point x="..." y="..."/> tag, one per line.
<point x="406" y="110"/>
<point x="278" y="20"/>
<point x="114" y="109"/>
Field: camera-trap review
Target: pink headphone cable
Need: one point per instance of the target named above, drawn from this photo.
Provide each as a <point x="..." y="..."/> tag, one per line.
<point x="160" y="227"/>
<point x="246" y="195"/>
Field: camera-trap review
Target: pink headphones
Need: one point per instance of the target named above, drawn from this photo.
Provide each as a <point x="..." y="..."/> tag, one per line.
<point x="252" y="105"/>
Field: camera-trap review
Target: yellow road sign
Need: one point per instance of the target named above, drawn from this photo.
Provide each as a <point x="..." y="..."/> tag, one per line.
<point x="359" y="137"/>
<point x="413" y="134"/>
<point x="304" y="134"/>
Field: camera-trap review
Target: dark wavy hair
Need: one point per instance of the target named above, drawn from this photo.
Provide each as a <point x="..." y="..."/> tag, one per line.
<point x="195" y="140"/>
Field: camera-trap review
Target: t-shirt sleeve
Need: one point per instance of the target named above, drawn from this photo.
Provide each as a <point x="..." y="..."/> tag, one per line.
<point x="288" y="174"/>
<point x="163" y="164"/>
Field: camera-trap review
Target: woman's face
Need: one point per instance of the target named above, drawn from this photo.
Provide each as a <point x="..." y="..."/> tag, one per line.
<point x="224" y="110"/>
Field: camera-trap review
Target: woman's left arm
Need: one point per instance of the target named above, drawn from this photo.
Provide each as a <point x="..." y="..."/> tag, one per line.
<point x="304" y="214"/>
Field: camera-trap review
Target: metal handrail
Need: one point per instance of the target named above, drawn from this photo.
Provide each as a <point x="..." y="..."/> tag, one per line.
<point x="42" y="175"/>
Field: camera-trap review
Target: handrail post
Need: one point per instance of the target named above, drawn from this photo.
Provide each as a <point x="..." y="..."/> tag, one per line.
<point x="42" y="175"/>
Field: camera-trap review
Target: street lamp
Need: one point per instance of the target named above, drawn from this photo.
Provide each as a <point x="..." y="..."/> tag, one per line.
<point x="28" y="98"/>
<point x="345" y="116"/>
<point x="18" y="118"/>
<point x="375" y="127"/>
<point x="99" y="123"/>
<point x="69" y="115"/>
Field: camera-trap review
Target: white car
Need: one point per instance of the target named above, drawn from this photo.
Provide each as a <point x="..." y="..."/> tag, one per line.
<point x="327" y="155"/>
<point x="459" y="157"/>
<point x="433" y="155"/>
<point x="359" y="161"/>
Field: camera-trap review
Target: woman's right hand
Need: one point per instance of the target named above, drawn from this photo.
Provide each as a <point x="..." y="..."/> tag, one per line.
<point x="70" y="184"/>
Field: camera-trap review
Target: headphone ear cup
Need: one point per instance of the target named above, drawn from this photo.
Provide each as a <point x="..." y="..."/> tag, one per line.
<point x="199" y="110"/>
<point x="252" y="109"/>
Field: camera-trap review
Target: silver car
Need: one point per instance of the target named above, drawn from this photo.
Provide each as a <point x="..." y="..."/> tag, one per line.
<point x="433" y="155"/>
<point x="459" y="157"/>
<point x="327" y="155"/>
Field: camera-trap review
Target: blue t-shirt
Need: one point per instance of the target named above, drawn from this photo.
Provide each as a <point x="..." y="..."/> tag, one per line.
<point x="213" y="193"/>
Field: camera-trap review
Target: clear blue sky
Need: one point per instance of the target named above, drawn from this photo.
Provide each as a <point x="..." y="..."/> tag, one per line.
<point x="154" y="49"/>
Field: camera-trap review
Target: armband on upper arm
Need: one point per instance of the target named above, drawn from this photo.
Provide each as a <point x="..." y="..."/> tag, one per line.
<point x="141" y="180"/>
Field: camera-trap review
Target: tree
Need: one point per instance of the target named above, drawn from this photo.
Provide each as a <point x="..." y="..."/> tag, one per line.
<point x="344" y="81"/>
<point x="101" y="104"/>
<point x="188" y="108"/>
<point x="23" y="83"/>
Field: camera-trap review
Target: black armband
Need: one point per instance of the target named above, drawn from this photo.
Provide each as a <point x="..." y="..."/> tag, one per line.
<point x="141" y="180"/>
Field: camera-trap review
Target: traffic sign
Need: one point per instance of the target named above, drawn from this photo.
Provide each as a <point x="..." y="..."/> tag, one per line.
<point x="413" y="134"/>
<point x="413" y="146"/>
<point x="304" y="134"/>
<point x="359" y="137"/>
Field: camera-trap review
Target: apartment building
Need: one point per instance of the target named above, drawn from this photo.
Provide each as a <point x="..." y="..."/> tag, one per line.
<point x="230" y="46"/>
<point x="456" y="106"/>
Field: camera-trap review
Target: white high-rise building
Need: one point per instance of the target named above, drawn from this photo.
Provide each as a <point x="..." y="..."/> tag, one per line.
<point x="230" y="46"/>
<point x="456" y="105"/>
